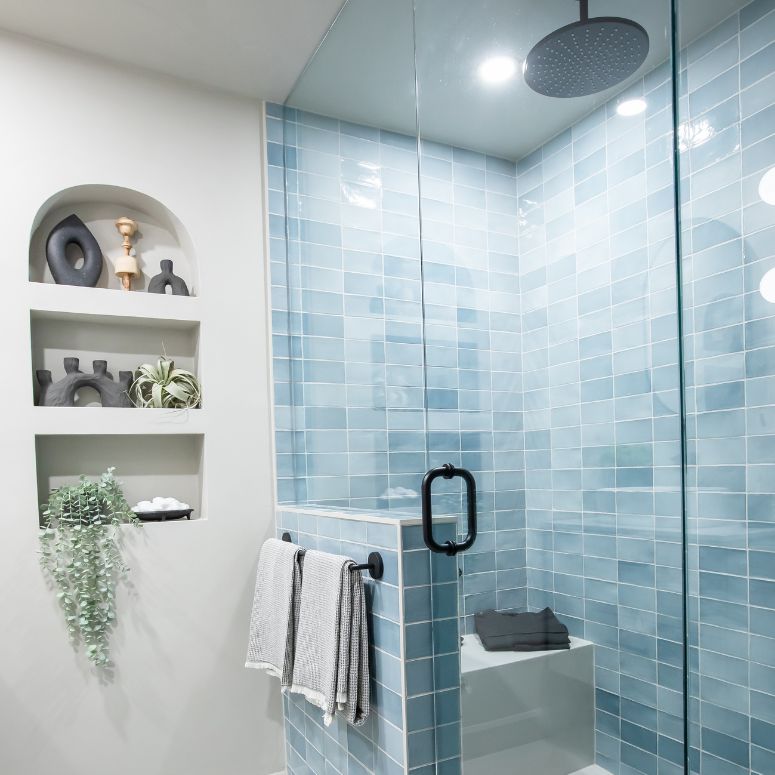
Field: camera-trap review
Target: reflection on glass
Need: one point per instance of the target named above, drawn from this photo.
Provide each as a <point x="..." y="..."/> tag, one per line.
<point x="767" y="187"/>
<point x="693" y="134"/>
<point x="767" y="286"/>
<point x="631" y="107"/>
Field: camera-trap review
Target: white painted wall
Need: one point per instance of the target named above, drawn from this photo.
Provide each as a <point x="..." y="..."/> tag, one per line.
<point x="181" y="702"/>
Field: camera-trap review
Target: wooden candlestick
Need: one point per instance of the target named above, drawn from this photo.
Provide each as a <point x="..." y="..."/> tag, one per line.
<point x="126" y="266"/>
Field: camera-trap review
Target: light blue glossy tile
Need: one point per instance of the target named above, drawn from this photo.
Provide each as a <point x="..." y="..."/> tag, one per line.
<point x="420" y="748"/>
<point x="419" y="676"/>
<point x="417" y="604"/>
<point x="419" y="640"/>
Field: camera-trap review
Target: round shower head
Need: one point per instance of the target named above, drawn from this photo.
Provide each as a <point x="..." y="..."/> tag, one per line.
<point x="587" y="56"/>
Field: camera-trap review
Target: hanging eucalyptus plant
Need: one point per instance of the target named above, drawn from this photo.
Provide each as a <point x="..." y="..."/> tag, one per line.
<point x="81" y="553"/>
<point x="161" y="386"/>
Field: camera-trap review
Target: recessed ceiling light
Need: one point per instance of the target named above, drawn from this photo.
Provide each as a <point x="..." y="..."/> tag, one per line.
<point x="497" y="69"/>
<point x="767" y="187"/>
<point x="767" y="286"/>
<point x="631" y="107"/>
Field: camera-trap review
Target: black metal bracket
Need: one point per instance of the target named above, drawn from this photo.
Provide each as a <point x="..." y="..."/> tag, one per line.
<point x="448" y="471"/>
<point x="375" y="566"/>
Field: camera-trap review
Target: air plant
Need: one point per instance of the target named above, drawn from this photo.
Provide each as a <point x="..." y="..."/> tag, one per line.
<point x="162" y="386"/>
<point x="80" y="548"/>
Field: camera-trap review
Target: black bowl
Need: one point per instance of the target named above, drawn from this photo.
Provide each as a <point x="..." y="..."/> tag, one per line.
<point x="163" y="516"/>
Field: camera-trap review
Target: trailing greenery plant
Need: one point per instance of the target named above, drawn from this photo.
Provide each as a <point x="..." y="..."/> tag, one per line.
<point x="81" y="553"/>
<point x="161" y="386"/>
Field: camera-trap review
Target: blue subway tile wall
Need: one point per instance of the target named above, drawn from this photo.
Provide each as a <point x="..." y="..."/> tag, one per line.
<point x="554" y="377"/>
<point x="378" y="746"/>
<point x="727" y="135"/>
<point x="586" y="435"/>
<point x="346" y="293"/>
<point x="369" y="393"/>
<point x="601" y="414"/>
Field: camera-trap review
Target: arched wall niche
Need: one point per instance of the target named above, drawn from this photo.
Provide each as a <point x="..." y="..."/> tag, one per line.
<point x="160" y="235"/>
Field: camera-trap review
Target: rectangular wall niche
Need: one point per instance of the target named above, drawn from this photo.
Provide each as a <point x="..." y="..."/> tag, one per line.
<point x="124" y="343"/>
<point x="147" y="465"/>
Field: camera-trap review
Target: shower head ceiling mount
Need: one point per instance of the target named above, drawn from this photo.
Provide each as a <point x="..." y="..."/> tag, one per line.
<point x="586" y="57"/>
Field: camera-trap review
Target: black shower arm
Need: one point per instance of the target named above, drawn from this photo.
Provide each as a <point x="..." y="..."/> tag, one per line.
<point x="448" y="471"/>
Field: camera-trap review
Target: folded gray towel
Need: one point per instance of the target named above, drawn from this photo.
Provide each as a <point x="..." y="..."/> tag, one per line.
<point x="506" y="631"/>
<point x="275" y="609"/>
<point x="356" y="706"/>
<point x="331" y="661"/>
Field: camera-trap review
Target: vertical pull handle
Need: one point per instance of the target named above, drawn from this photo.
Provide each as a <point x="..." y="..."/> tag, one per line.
<point x="448" y="471"/>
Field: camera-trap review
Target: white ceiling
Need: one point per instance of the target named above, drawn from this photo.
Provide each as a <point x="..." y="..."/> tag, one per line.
<point x="363" y="71"/>
<point x="255" y="48"/>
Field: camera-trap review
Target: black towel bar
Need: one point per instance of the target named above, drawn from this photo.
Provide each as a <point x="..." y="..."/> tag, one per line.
<point x="374" y="566"/>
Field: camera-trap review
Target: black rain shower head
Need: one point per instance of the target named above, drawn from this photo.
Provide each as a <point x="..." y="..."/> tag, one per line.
<point x="586" y="57"/>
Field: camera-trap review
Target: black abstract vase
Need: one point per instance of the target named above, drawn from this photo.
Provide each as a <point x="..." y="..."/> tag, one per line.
<point x="73" y="231"/>
<point x="166" y="277"/>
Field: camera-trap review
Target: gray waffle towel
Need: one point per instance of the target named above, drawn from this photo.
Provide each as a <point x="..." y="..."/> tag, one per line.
<point x="275" y="609"/>
<point x="331" y="660"/>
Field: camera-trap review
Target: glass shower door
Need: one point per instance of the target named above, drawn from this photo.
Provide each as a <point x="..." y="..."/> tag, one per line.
<point x="472" y="369"/>
<point x="552" y="372"/>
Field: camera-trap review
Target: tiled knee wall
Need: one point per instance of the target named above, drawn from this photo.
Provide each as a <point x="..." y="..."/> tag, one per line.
<point x="432" y="654"/>
<point x="414" y="659"/>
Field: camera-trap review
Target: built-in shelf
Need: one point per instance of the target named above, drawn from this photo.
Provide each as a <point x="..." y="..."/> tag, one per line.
<point x="154" y="451"/>
<point x="60" y="302"/>
<point x="124" y="342"/>
<point x="147" y="465"/>
<point x="98" y="421"/>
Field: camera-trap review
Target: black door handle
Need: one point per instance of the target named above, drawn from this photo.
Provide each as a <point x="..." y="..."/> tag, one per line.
<point x="448" y="471"/>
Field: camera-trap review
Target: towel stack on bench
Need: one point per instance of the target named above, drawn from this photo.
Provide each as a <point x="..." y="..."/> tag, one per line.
<point x="308" y="628"/>
<point x="541" y="631"/>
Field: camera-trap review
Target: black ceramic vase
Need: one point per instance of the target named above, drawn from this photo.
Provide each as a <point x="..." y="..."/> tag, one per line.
<point x="73" y="231"/>
<point x="62" y="393"/>
<point x="166" y="277"/>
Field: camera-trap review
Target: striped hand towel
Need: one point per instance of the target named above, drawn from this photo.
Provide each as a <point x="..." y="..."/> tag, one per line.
<point x="356" y="704"/>
<point x="331" y="664"/>
<point x="275" y="609"/>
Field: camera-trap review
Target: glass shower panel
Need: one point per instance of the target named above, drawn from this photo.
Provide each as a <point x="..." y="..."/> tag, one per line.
<point x="726" y="135"/>
<point x="474" y="262"/>
<point x="552" y="372"/>
<point x="350" y="412"/>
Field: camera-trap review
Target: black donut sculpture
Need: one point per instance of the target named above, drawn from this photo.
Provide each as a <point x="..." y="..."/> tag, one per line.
<point x="73" y="231"/>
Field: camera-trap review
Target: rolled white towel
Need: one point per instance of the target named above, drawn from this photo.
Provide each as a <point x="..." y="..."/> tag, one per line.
<point x="160" y="503"/>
